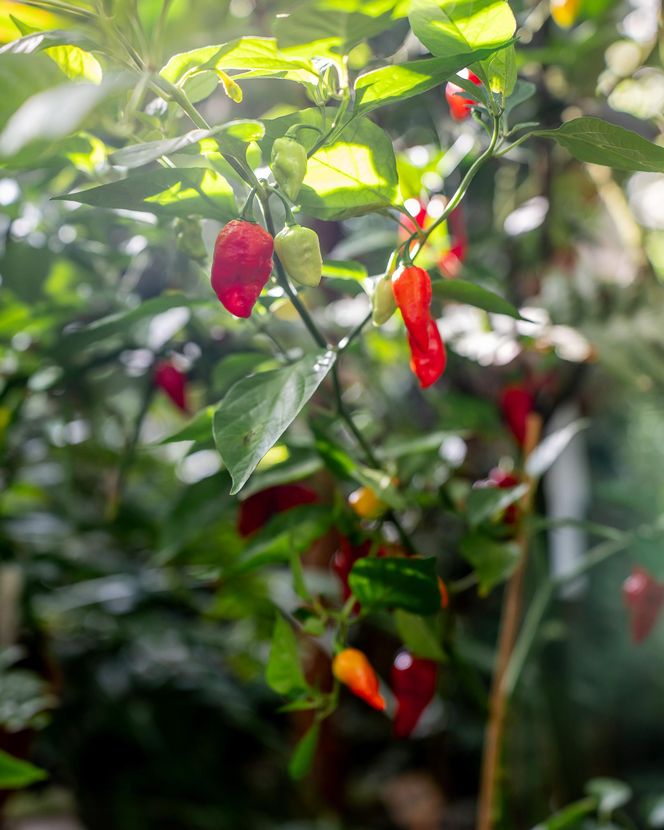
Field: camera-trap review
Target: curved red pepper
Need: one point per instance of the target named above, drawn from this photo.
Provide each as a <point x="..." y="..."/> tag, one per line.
<point x="259" y="508"/>
<point x="460" y="105"/>
<point x="173" y="382"/>
<point x="516" y="403"/>
<point x="241" y="266"/>
<point x="428" y="364"/>
<point x="412" y="291"/>
<point x="413" y="682"/>
<point x="644" y="597"/>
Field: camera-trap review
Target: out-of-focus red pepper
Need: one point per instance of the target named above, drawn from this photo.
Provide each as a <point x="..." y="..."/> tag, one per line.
<point x="413" y="681"/>
<point x="644" y="597"/>
<point x="451" y="261"/>
<point x="173" y="382"/>
<point x="457" y="98"/>
<point x="259" y="508"/>
<point x="344" y="559"/>
<point x="516" y="403"/>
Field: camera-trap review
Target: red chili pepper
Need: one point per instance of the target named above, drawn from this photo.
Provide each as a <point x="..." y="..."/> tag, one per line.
<point x="644" y="597"/>
<point x="460" y="105"/>
<point x="516" y="403"/>
<point x="241" y="266"/>
<point x="259" y="508"/>
<point x="173" y="382"/>
<point x="451" y="261"/>
<point x="409" y="224"/>
<point x="414" y="685"/>
<point x="344" y="559"/>
<point x="428" y="364"/>
<point x="412" y="291"/>
<point x="353" y="669"/>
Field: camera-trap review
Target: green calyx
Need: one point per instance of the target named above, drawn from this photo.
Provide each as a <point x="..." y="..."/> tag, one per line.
<point x="383" y="304"/>
<point x="289" y="165"/>
<point x="298" y="249"/>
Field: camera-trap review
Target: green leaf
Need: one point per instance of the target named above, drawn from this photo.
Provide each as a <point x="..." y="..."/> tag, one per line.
<point x="596" y="141"/>
<point x="493" y="561"/>
<point x="283" y="673"/>
<point x="611" y="793"/>
<point x="501" y="71"/>
<point x="447" y="27"/>
<point x="570" y="816"/>
<point x="37" y="41"/>
<point x="344" y="270"/>
<point x="522" y="92"/>
<point x="286" y="535"/>
<point x="418" y="636"/>
<point x="356" y="174"/>
<point x="76" y="63"/>
<point x="298" y="466"/>
<point x="15" y="773"/>
<point x="257" y="410"/>
<point x="171" y="192"/>
<point x="484" y="502"/>
<point x="470" y="293"/>
<point x="53" y="114"/>
<point x="199" y="428"/>
<point x="413" y="446"/>
<point x="410" y="584"/>
<point x="396" y="83"/>
<point x="304" y="753"/>
<point x="548" y="450"/>
<point x="228" y="135"/>
<point x="251" y="53"/>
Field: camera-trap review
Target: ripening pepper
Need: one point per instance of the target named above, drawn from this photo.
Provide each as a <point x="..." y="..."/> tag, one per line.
<point x="173" y="382"/>
<point x="353" y="669"/>
<point x="428" y="364"/>
<point x="564" y="12"/>
<point x="413" y="681"/>
<point x="460" y="105"/>
<point x="383" y="304"/>
<point x="516" y="403"/>
<point x="241" y="265"/>
<point x="260" y="507"/>
<point x="644" y="597"/>
<point x="366" y="504"/>
<point x="298" y="249"/>
<point x="289" y="165"/>
<point x="412" y="292"/>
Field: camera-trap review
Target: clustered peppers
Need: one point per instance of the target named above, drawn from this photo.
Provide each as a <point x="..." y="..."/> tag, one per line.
<point x="173" y="382"/>
<point x="289" y="165"/>
<point x="644" y="597"/>
<point x="413" y="681"/>
<point x="457" y="98"/>
<point x="241" y="265"/>
<point x="298" y="249"/>
<point x="352" y="668"/>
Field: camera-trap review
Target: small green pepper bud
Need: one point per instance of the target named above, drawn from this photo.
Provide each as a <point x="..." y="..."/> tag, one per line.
<point x="298" y="249"/>
<point x="383" y="304"/>
<point x="289" y="165"/>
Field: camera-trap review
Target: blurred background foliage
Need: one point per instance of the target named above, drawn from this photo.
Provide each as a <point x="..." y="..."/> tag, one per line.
<point x="131" y="668"/>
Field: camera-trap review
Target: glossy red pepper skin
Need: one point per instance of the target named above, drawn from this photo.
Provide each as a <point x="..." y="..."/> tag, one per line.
<point x="516" y="403"/>
<point x="413" y="682"/>
<point x="260" y="507"/>
<point x="173" y="382"/>
<point x="241" y="266"/>
<point x="643" y="596"/>
<point x="412" y="291"/>
<point x="428" y="364"/>
<point x="460" y="105"/>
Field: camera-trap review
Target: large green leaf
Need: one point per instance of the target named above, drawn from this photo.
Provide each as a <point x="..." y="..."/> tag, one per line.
<point x="410" y="584"/>
<point x="390" y="84"/>
<point x="257" y="410"/>
<point x="21" y="77"/>
<point x="597" y="141"/>
<point x="170" y="191"/>
<point x="15" y="773"/>
<point x="492" y="560"/>
<point x="418" y="635"/>
<point x="570" y="816"/>
<point x="470" y="293"/>
<point x="283" y="672"/>
<point x="459" y="27"/>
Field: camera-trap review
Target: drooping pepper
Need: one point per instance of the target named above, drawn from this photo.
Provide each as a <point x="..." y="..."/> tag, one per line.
<point x="173" y="382"/>
<point x="289" y="165"/>
<point x="428" y="364"/>
<point x="298" y="249"/>
<point x="412" y="292"/>
<point x="457" y="98"/>
<point x="565" y="12"/>
<point x="383" y="304"/>
<point x="260" y="507"/>
<point x="241" y="266"/>
<point x="644" y="597"/>
<point x="353" y="669"/>
<point x="516" y="403"/>
<point x="413" y="681"/>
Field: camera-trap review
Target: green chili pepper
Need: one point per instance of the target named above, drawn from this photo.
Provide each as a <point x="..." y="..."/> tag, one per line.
<point x="298" y="249"/>
<point x="383" y="303"/>
<point x="289" y="165"/>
